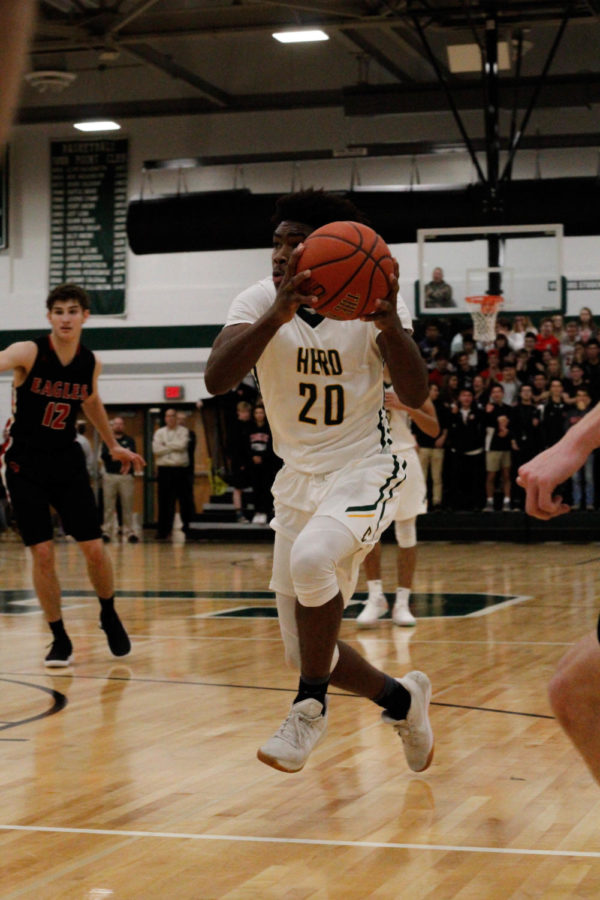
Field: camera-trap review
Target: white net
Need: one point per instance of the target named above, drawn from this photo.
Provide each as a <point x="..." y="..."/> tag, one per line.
<point x="484" y="311"/>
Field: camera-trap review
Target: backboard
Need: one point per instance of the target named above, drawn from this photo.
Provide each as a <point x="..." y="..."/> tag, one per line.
<point x="522" y="263"/>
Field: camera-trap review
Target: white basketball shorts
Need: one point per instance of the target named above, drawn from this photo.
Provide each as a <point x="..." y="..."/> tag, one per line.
<point x="363" y="496"/>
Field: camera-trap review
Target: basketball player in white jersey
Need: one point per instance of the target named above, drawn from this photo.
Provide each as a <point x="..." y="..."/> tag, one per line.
<point x="322" y="385"/>
<point x="413" y="502"/>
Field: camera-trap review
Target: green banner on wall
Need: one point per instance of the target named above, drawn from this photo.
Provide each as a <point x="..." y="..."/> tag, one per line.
<point x="88" y="243"/>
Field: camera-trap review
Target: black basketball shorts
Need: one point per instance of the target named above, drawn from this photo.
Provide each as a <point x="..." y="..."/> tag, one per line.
<point x="38" y="481"/>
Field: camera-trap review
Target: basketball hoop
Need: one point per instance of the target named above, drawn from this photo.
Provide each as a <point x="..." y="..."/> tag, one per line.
<point x="484" y="317"/>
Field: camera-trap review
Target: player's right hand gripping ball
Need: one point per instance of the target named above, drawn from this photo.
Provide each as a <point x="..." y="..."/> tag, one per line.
<point x="350" y="268"/>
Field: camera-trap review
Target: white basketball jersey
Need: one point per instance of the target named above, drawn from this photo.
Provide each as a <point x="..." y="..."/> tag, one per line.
<point x="322" y="384"/>
<point x="402" y="436"/>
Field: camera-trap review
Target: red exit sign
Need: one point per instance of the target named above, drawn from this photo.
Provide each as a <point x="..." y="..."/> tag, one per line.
<point x="173" y="392"/>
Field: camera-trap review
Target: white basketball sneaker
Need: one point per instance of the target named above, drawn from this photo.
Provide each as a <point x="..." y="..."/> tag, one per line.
<point x="401" y="614"/>
<point x="294" y="740"/>
<point x="415" y="730"/>
<point x="374" y="609"/>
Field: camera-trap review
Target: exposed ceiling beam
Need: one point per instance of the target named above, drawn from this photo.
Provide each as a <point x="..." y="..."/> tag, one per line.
<point x="411" y="44"/>
<point x="133" y="14"/>
<point x="365" y="151"/>
<point x="359" y="40"/>
<point x="560" y="90"/>
<point x="166" y="64"/>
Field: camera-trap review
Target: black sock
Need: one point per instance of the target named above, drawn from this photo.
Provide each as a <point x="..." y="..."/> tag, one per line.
<point x="58" y="630"/>
<point x="394" y="698"/>
<point x="107" y="605"/>
<point x="312" y="687"/>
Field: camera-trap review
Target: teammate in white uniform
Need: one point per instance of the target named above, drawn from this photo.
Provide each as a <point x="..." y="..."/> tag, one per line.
<point x="322" y="385"/>
<point x="413" y="502"/>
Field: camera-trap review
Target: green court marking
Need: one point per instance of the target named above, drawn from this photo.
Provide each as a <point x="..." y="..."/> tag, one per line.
<point x="423" y="605"/>
<point x="443" y="604"/>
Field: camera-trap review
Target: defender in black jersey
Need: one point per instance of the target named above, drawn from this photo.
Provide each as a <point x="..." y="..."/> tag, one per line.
<point x="43" y="465"/>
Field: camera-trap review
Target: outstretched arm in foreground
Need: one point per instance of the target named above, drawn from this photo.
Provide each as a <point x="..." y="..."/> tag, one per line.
<point x="542" y="475"/>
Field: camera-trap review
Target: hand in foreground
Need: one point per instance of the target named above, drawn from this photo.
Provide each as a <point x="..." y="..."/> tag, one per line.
<point x="289" y="294"/>
<point x="540" y="477"/>
<point x="386" y="315"/>
<point x="128" y="459"/>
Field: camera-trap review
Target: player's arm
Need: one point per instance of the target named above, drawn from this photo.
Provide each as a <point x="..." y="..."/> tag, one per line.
<point x="19" y="356"/>
<point x="425" y="416"/>
<point x="16" y="25"/>
<point x="96" y="413"/>
<point x="237" y="348"/>
<point x="400" y="352"/>
<point x="542" y="474"/>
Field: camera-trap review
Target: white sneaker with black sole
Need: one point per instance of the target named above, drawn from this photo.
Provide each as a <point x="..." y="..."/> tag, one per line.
<point x="295" y="739"/>
<point x="374" y="609"/>
<point x="415" y="731"/>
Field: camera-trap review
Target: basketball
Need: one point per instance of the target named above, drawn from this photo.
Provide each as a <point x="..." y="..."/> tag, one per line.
<point x="350" y="267"/>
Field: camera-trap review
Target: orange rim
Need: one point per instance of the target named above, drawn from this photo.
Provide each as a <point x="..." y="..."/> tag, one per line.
<point x="488" y="302"/>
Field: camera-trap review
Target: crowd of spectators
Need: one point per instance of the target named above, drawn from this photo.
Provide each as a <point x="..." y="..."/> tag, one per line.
<point x="500" y="403"/>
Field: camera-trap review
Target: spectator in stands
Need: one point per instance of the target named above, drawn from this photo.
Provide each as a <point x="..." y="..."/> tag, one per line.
<point x="554" y="368"/>
<point x="437" y="292"/>
<point x="592" y="368"/>
<point x="579" y="354"/>
<point x="85" y="445"/>
<point x="586" y="327"/>
<point x="465" y="443"/>
<point x="239" y="461"/>
<point x="510" y="383"/>
<point x="476" y="356"/>
<point x="498" y="446"/>
<point x="553" y="415"/>
<point x="493" y="374"/>
<point x="539" y="385"/>
<point x="582" y="481"/>
<point x="116" y="484"/>
<point x="525" y="442"/>
<point x="480" y="393"/>
<point x="441" y="368"/>
<point x="169" y="446"/>
<point x="432" y="344"/>
<point x="516" y="335"/>
<point x="263" y="465"/>
<point x="533" y="362"/>
<point x="558" y="326"/>
<point x="182" y="418"/>
<point x="546" y="339"/>
<point x="503" y="347"/>
<point x="465" y="371"/>
<point x="450" y="389"/>
<point x="432" y="449"/>
<point x="567" y="345"/>
<point x="572" y="384"/>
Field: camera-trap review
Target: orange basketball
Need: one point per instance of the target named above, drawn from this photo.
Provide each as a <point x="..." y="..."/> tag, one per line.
<point x="350" y="267"/>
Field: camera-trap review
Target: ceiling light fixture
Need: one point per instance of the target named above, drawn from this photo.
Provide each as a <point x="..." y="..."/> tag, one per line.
<point x="300" y="37"/>
<point x="97" y="126"/>
<point x="51" y="81"/>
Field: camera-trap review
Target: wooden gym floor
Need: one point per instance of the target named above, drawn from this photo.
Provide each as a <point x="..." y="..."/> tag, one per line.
<point x="138" y="780"/>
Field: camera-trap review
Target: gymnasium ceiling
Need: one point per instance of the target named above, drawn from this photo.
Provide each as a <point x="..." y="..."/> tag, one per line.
<point x="135" y="58"/>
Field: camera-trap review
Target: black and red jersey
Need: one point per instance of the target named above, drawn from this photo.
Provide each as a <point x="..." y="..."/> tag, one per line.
<point x="46" y="406"/>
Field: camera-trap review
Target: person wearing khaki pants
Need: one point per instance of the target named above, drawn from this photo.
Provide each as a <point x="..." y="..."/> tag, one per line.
<point x="431" y="449"/>
<point x="116" y="484"/>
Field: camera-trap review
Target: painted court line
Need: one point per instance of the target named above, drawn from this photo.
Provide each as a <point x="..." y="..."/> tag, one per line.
<point x="315" y="842"/>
